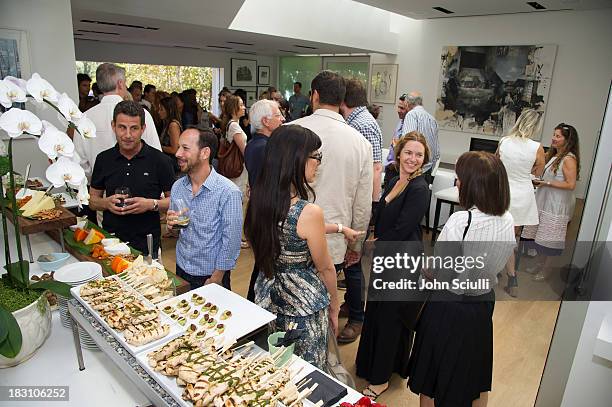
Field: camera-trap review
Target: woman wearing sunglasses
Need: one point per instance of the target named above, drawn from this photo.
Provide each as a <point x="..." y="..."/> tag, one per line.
<point x="297" y="279"/>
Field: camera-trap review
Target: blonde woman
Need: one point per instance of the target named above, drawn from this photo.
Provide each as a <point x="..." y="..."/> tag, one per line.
<point x="522" y="157"/>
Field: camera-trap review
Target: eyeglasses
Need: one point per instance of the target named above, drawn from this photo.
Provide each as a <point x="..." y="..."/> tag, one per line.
<point x="317" y="156"/>
<point x="403" y="97"/>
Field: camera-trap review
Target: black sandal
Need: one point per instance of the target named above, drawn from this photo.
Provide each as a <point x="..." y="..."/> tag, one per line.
<point x="512" y="287"/>
<point x="371" y="394"/>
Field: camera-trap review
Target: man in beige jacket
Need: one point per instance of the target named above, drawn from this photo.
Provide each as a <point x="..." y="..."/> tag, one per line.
<point x="343" y="186"/>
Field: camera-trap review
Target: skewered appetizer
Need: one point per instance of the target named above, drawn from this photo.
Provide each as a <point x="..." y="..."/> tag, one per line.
<point x="149" y="280"/>
<point x="124" y="312"/>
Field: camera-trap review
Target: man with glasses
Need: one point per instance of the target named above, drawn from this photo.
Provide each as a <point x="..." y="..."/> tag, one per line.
<point x="265" y="118"/>
<point x="343" y="185"/>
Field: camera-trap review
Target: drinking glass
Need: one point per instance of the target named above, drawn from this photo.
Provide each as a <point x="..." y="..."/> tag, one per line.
<point x="125" y="193"/>
<point x="179" y="206"/>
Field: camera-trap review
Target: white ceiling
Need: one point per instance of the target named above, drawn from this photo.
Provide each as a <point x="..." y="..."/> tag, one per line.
<point x="178" y="29"/>
<point x="423" y="9"/>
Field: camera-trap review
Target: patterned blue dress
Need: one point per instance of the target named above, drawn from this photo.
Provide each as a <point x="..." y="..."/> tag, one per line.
<point x="296" y="293"/>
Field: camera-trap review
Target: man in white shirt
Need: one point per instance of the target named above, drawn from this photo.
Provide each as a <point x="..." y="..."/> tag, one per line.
<point x="111" y="81"/>
<point x="343" y="186"/>
<point x="418" y="119"/>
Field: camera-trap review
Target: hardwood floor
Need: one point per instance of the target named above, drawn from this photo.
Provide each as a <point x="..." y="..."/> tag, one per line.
<point x="522" y="335"/>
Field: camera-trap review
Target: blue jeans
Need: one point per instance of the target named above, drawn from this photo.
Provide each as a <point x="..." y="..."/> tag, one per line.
<point x="198" y="281"/>
<point x="354" y="292"/>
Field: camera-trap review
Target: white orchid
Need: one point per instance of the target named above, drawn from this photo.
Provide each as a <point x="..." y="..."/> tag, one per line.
<point x="41" y="90"/>
<point x="69" y="109"/>
<point x="65" y="171"/>
<point x="11" y="93"/>
<point x="16" y="122"/>
<point x="21" y="83"/>
<point x="83" y="193"/>
<point x="54" y="142"/>
<point x="86" y="127"/>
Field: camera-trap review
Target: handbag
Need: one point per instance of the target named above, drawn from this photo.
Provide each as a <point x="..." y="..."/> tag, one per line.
<point x="230" y="159"/>
<point x="333" y="366"/>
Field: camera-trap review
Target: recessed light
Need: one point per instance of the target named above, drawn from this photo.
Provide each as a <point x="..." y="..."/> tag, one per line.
<point x="239" y="43"/>
<point x="536" y="5"/>
<point x="443" y="10"/>
<point x="304" y="46"/>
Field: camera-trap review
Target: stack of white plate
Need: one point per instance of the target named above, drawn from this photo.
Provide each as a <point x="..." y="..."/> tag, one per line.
<point x="76" y="274"/>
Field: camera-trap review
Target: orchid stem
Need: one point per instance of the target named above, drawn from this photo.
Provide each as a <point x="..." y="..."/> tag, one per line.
<point x="7" y="249"/>
<point x="14" y="210"/>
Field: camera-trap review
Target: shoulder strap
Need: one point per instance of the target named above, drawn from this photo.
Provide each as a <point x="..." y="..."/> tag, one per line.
<point x="468" y="225"/>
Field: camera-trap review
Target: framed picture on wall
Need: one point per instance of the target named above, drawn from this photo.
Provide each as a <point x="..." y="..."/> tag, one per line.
<point x="260" y="90"/>
<point x="263" y="75"/>
<point x="383" y="83"/>
<point x="251" y="98"/>
<point x="243" y="72"/>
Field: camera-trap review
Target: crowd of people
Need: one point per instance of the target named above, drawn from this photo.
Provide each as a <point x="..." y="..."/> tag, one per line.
<point x="308" y="172"/>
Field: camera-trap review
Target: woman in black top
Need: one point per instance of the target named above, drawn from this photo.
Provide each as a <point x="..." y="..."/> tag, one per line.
<point x="171" y="125"/>
<point x="385" y="341"/>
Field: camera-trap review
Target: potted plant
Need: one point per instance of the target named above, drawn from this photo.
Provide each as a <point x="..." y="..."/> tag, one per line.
<point x="25" y="318"/>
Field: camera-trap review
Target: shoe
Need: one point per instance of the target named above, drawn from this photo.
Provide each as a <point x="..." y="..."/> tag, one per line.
<point x="341" y="285"/>
<point x="351" y="331"/>
<point x="344" y="311"/>
<point x="371" y="394"/>
<point x="512" y="287"/>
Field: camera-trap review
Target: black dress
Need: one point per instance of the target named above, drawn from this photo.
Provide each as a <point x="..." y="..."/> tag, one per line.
<point x="386" y="338"/>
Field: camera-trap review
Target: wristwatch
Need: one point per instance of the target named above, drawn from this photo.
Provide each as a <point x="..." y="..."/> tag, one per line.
<point x="339" y="228"/>
<point x="155" y="205"/>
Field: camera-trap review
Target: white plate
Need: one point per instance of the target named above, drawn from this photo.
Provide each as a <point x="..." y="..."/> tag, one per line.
<point x="78" y="272"/>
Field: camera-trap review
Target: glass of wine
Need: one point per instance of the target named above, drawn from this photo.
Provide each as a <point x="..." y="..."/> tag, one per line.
<point x="124" y="193"/>
<point x="180" y="208"/>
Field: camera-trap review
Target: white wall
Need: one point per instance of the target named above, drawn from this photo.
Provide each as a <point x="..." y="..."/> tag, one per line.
<point x="582" y="71"/>
<point x="145" y="54"/>
<point x="49" y="28"/>
<point x="590" y="377"/>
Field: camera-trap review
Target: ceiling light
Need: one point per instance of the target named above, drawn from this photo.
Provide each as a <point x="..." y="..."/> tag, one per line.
<point x="304" y="46"/>
<point x="536" y="5"/>
<point x="443" y="10"/>
<point x="142" y="27"/>
<point x="98" y="32"/>
<point x="239" y="43"/>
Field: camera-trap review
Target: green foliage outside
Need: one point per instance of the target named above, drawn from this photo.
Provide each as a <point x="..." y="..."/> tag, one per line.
<point x="164" y="77"/>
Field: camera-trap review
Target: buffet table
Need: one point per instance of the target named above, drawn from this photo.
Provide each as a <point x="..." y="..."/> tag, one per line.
<point x="110" y="377"/>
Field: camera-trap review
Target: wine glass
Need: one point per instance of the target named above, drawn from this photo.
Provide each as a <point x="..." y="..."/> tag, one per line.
<point x="180" y="208"/>
<point x="123" y="192"/>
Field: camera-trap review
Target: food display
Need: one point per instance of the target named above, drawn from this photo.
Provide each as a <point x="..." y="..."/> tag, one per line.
<point x="151" y="281"/>
<point x="34" y="183"/>
<point x="213" y="375"/>
<point x="51" y="297"/>
<point x="125" y="312"/>
<point x="39" y="201"/>
<point x="47" y="214"/>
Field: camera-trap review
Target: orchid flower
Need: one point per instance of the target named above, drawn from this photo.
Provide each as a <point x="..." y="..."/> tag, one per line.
<point x="83" y="193"/>
<point x="41" y="90"/>
<point x="68" y="108"/>
<point x="65" y="171"/>
<point x="21" y="83"/>
<point x="11" y="93"/>
<point x="16" y="122"/>
<point x="86" y="127"/>
<point x="54" y="142"/>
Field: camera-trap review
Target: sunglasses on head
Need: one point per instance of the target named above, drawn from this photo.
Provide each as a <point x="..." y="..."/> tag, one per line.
<point x="317" y="156"/>
<point x="403" y="97"/>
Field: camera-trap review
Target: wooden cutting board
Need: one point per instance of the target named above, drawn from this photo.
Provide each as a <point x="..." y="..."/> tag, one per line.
<point x="29" y="226"/>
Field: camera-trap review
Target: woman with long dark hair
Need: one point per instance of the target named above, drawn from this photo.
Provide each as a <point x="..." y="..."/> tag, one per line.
<point x="451" y="363"/>
<point x="297" y="279"/>
<point x="233" y="109"/>
<point x="171" y="129"/>
<point x="555" y="197"/>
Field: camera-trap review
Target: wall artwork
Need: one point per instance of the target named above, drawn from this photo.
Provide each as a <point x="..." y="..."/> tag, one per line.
<point x="484" y="89"/>
<point x="251" y="98"/>
<point x="244" y="72"/>
<point x="263" y="75"/>
<point x="383" y="83"/>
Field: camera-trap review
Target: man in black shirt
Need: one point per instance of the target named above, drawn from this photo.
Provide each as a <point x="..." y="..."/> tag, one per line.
<point x="147" y="173"/>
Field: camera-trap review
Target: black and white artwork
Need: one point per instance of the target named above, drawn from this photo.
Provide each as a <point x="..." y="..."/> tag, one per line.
<point x="484" y="89"/>
<point x="263" y="75"/>
<point x="244" y="72"/>
<point x="383" y="83"/>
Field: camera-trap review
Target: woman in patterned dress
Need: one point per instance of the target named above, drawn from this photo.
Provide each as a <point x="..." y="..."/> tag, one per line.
<point x="555" y="197"/>
<point x="297" y="279"/>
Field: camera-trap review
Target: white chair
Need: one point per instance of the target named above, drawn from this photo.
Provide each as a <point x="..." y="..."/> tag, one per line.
<point x="448" y="196"/>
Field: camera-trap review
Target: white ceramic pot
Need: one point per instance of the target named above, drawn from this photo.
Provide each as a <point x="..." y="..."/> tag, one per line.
<point x="35" y="323"/>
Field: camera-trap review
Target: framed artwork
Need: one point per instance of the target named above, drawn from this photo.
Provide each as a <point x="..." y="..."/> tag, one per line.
<point x="484" y="89"/>
<point x="260" y="90"/>
<point x="251" y="98"/>
<point x="263" y="75"/>
<point x="243" y="72"/>
<point x="383" y="83"/>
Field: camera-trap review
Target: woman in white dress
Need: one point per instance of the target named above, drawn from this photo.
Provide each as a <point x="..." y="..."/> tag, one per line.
<point x="555" y="197"/>
<point x="233" y="109"/>
<point x="522" y="157"/>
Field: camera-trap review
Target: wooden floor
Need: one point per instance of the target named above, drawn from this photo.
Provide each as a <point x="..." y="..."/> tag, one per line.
<point x="522" y="335"/>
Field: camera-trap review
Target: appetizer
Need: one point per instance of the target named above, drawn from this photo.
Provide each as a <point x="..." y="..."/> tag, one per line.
<point x="227" y="314"/>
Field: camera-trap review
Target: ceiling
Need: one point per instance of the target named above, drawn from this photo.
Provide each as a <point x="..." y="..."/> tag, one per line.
<point x="90" y="23"/>
<point x="424" y="9"/>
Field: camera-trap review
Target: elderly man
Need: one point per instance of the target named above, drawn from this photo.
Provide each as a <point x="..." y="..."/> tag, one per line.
<point x="265" y="118"/>
<point x="207" y="249"/>
<point x="355" y="111"/>
<point x="111" y="81"/>
<point x="418" y="119"/>
<point x="390" y="170"/>
<point x="131" y="163"/>
<point x="343" y="185"/>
